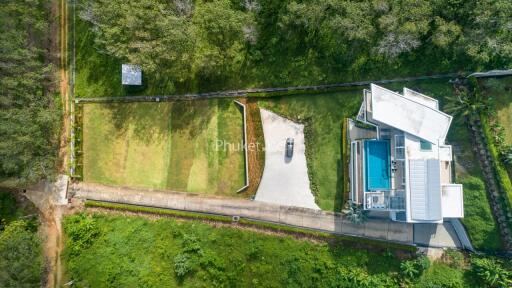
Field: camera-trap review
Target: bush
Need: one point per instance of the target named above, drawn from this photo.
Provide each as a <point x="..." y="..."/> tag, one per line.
<point x="491" y="273"/>
<point x="412" y="269"/>
<point x="81" y="230"/>
<point x="21" y="259"/>
<point x="181" y="265"/>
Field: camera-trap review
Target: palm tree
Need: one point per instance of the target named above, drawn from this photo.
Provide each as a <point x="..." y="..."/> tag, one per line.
<point x="466" y="104"/>
<point x="355" y="213"/>
<point x="507" y="158"/>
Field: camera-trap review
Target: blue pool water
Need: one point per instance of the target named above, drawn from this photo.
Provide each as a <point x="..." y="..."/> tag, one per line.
<point x="377" y="166"/>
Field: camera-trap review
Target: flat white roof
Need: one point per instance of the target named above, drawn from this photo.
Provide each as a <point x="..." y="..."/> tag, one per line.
<point x="452" y="201"/>
<point x="408" y="115"/>
<point x="131" y="74"/>
<point x="425" y="190"/>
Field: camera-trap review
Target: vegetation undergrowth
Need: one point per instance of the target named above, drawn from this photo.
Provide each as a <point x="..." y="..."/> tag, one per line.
<point x="108" y="250"/>
<point x="354" y="241"/>
<point x="21" y="260"/>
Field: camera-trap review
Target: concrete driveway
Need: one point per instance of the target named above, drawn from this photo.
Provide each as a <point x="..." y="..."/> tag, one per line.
<point x="285" y="180"/>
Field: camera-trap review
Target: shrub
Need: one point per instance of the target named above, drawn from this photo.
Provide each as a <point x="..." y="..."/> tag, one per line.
<point x="181" y="265"/>
<point x="491" y="272"/>
<point x="355" y="213"/>
<point x="20" y="256"/>
<point x="81" y="230"/>
<point x="412" y="269"/>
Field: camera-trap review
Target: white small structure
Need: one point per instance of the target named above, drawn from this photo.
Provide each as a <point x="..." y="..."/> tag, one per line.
<point x="131" y="74"/>
<point x="406" y="169"/>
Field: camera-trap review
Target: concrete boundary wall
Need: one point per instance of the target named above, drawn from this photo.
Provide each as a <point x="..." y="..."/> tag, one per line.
<point x="375" y="228"/>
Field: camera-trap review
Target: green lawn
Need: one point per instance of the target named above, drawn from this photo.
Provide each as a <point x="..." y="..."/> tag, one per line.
<point x="170" y="145"/>
<point x="125" y="251"/>
<point x="323" y="137"/>
<point x="500" y="90"/>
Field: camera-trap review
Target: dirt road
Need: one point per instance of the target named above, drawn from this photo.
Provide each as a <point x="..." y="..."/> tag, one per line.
<point x="60" y="8"/>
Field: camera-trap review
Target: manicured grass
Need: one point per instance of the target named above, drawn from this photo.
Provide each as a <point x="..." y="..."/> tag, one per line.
<point x="478" y="218"/>
<point x="170" y="145"/>
<point x="501" y="93"/>
<point x="324" y="114"/>
<point x="126" y="251"/>
<point x="97" y="74"/>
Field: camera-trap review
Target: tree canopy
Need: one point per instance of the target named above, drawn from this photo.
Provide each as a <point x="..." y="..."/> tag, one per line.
<point x="238" y="43"/>
<point x="28" y="115"/>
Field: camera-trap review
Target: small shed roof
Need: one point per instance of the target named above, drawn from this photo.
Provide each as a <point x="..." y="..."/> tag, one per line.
<point x="408" y="115"/>
<point x="131" y="74"/>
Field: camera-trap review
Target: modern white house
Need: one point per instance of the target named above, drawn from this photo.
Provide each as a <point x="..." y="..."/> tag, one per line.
<point x="399" y="162"/>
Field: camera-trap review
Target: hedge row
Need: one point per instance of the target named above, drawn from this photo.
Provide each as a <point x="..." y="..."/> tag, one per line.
<point x="253" y="223"/>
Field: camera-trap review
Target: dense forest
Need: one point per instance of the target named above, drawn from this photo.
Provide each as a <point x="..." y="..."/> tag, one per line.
<point x="29" y="113"/>
<point x="219" y="44"/>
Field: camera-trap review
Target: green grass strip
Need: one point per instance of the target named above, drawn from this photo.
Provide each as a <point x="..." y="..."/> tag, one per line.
<point x="502" y="175"/>
<point x="157" y="211"/>
<point x="253" y="223"/>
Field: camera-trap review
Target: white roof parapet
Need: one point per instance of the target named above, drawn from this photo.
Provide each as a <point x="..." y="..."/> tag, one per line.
<point x="452" y="201"/>
<point x="421" y="98"/>
<point x="408" y="115"/>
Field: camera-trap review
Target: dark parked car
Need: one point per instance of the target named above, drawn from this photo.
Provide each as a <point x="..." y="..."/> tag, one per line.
<point x="289" y="147"/>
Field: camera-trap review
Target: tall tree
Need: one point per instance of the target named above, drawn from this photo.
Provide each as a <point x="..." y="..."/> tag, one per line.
<point x="29" y="118"/>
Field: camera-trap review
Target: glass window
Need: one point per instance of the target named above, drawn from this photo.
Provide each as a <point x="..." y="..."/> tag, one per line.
<point x="425" y="145"/>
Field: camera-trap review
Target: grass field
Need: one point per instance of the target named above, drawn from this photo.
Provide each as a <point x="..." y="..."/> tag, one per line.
<point x="500" y="90"/>
<point x="126" y="251"/>
<point x="323" y="138"/>
<point x="170" y="145"/>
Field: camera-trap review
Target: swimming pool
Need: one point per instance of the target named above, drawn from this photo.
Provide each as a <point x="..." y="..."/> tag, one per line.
<point x="377" y="166"/>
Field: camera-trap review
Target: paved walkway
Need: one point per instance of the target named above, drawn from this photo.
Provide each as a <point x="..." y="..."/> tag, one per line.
<point x="382" y="229"/>
<point x="285" y="180"/>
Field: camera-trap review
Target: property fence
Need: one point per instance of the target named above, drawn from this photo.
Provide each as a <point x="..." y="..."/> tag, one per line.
<point x="256" y="92"/>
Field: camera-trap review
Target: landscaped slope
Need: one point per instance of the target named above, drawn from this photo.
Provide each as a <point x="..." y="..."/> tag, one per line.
<point x="170" y="145"/>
